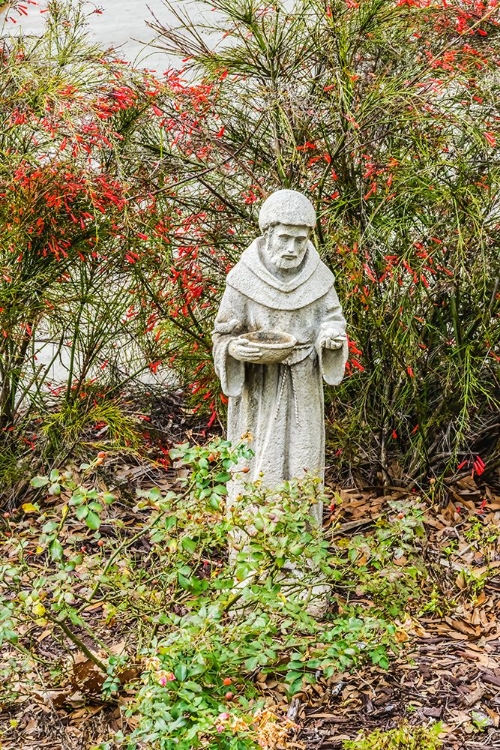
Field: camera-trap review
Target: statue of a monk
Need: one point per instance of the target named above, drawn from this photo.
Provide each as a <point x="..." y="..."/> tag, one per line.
<point x="280" y="285"/>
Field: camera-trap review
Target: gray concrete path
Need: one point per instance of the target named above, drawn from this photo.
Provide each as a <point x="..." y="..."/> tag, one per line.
<point x="122" y="24"/>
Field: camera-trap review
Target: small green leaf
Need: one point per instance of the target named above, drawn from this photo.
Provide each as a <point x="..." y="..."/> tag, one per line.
<point x="193" y="686"/>
<point x="82" y="512"/>
<point x="39" y="481"/>
<point x="56" y="550"/>
<point x="188" y="544"/>
<point x="252" y="663"/>
<point x="158" y="536"/>
<point x="224" y="476"/>
<point x="181" y="672"/>
<point x="185" y="583"/>
<point x="74" y="617"/>
<point x="214" y="502"/>
<point x="95" y="506"/>
<point x="77" y="498"/>
<point x="295" y="687"/>
<point x="92" y="520"/>
<point x="220" y="489"/>
<point x="177" y="452"/>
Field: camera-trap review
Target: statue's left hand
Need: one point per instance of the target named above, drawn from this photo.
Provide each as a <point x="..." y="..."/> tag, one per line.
<point x="334" y="342"/>
<point x="244" y="350"/>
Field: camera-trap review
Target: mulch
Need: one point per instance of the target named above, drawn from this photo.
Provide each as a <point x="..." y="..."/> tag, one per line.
<point x="439" y="679"/>
<point x="449" y="668"/>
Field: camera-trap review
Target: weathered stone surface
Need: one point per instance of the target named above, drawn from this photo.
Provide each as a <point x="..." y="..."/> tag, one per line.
<point x="281" y="288"/>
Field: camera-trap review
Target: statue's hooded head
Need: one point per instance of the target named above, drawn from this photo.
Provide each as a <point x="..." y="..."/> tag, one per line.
<point x="286" y="219"/>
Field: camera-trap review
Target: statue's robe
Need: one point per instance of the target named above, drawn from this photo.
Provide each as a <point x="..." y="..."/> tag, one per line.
<point x="281" y="406"/>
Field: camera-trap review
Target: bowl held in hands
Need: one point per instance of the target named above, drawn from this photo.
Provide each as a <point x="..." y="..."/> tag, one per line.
<point x="274" y="346"/>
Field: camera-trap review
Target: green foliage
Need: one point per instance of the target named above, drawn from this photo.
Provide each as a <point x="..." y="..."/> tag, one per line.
<point x="245" y="616"/>
<point x="67" y="427"/>
<point x="86" y="501"/>
<point x="403" y="738"/>
<point x="387" y="564"/>
<point x="74" y="181"/>
<point x="205" y="623"/>
<point x="480" y="721"/>
<point x="49" y="595"/>
<point x="438" y="602"/>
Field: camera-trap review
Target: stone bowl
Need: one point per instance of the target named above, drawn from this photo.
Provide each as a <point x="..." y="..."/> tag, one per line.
<point x="275" y="346"/>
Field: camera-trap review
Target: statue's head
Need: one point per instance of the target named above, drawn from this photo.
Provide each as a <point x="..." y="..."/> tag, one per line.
<point x="286" y="219"/>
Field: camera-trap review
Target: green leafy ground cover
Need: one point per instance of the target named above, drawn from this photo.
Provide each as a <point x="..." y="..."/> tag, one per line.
<point x="121" y="598"/>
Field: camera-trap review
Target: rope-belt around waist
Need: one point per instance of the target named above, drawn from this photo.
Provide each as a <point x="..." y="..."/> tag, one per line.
<point x="283" y="373"/>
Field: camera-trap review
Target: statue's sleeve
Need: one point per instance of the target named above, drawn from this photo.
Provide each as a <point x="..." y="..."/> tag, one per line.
<point x="332" y="361"/>
<point x="230" y="322"/>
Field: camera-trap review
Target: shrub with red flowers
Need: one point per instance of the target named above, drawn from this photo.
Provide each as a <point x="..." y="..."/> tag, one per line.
<point x="125" y="202"/>
<point x="386" y="114"/>
<point x="77" y="215"/>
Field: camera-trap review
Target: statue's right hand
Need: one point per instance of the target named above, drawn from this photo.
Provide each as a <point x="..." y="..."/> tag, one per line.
<point x="244" y="351"/>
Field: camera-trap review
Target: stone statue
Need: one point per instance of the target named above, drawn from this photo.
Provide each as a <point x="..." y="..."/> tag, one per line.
<point x="279" y="333"/>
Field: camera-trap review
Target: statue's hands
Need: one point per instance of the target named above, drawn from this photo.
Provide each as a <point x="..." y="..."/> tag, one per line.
<point x="333" y="341"/>
<point x="244" y="351"/>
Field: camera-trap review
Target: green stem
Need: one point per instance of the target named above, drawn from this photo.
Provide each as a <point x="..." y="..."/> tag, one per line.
<point x="81" y="645"/>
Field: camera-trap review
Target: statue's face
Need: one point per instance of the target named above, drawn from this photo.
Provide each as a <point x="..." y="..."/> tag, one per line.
<point x="286" y="245"/>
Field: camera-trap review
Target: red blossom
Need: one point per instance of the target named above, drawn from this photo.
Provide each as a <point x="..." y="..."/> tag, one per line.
<point x="372" y="191"/>
<point x="491" y="138"/>
<point x="153" y="366"/>
<point x="479" y="466"/>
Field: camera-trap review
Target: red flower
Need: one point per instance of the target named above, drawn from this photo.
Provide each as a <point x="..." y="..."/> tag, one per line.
<point x="372" y="191"/>
<point x="479" y="466"/>
<point x="490" y="137"/>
